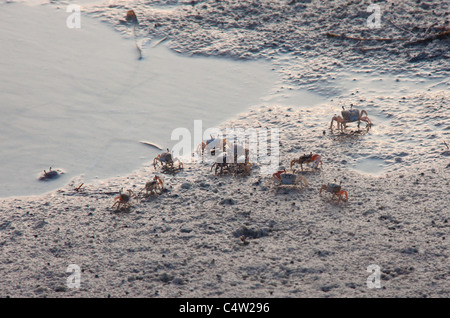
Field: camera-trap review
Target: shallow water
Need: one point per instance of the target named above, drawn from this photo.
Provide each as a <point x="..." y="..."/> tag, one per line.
<point x="80" y="100"/>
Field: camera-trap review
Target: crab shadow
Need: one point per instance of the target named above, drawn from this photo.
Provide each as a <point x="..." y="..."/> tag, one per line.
<point x="307" y="172"/>
<point x="121" y="210"/>
<point x="170" y="171"/>
<point x="151" y="197"/>
<point x="288" y="189"/>
<point x="349" y="132"/>
<point x="332" y="200"/>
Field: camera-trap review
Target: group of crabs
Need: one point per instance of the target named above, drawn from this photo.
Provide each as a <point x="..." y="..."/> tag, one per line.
<point x="283" y="177"/>
<point x="222" y="150"/>
<point x="153" y="187"/>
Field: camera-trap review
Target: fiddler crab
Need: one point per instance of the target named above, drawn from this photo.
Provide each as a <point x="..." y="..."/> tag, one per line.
<point x="308" y="159"/>
<point x="50" y="174"/>
<point x="239" y="165"/>
<point x="222" y="164"/>
<point x="212" y="145"/>
<point x="350" y="116"/>
<point x="285" y="178"/>
<point x="154" y="186"/>
<point x="123" y="200"/>
<point x="336" y="190"/>
<point x="242" y="168"/>
<point x="167" y="162"/>
<point x="131" y="17"/>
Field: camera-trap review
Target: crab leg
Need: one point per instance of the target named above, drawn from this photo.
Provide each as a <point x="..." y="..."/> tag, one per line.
<point x="341" y="194"/>
<point x="366" y="119"/>
<point x="324" y="187"/>
<point x="303" y="180"/>
<point x="332" y="120"/>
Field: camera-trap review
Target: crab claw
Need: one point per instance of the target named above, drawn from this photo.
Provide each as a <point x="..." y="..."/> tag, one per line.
<point x="158" y="179"/>
<point x="342" y="194"/>
<point x="316" y="159"/>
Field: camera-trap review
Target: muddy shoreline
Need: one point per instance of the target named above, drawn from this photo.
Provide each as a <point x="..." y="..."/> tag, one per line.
<point x="187" y="242"/>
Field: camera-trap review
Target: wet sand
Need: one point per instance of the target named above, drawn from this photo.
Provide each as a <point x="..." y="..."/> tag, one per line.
<point x="187" y="242"/>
